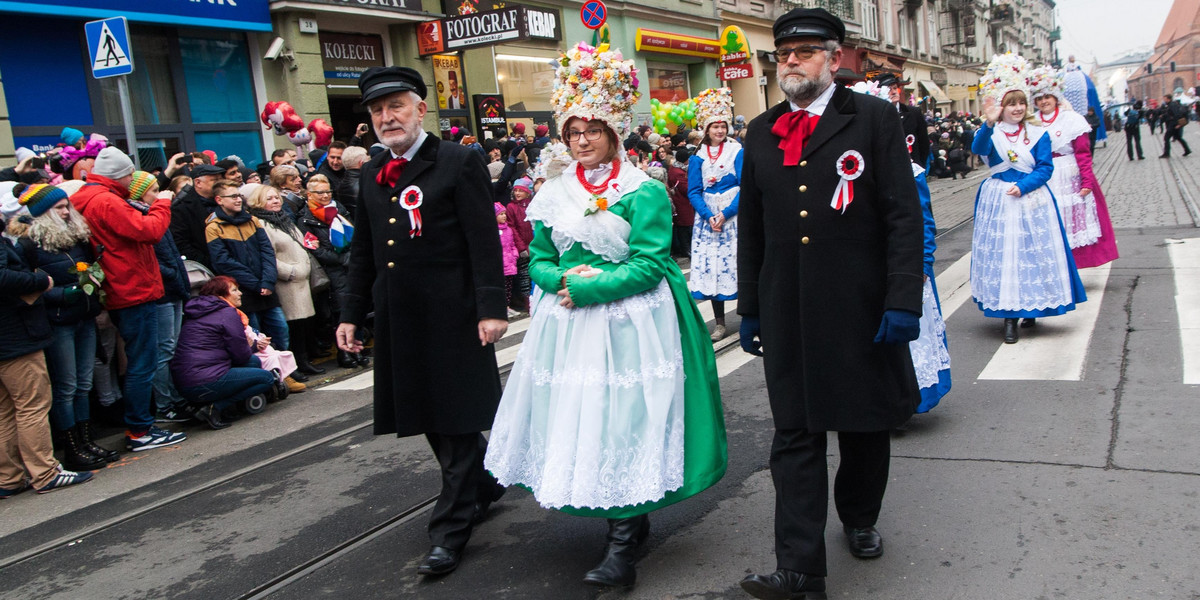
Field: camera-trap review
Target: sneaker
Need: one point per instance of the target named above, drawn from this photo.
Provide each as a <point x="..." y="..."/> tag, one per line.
<point x="63" y="479"/>
<point x="173" y="415"/>
<point x="155" y="438"/>
<point x="6" y="493"/>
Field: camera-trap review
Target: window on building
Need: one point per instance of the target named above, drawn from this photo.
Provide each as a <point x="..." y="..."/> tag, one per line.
<point x="902" y="22"/>
<point x="885" y="9"/>
<point x="216" y="73"/>
<point x="525" y="82"/>
<point x="932" y="27"/>
<point x="870" y="19"/>
<point x="668" y="82"/>
<point x="151" y="91"/>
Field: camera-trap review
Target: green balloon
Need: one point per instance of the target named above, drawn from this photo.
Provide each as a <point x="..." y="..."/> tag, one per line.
<point x="654" y="102"/>
<point x="660" y="122"/>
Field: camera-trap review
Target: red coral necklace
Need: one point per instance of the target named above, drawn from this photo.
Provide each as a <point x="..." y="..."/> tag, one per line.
<point x="1014" y="135"/>
<point x="720" y="149"/>
<point x="1051" y="119"/>
<point x="600" y="188"/>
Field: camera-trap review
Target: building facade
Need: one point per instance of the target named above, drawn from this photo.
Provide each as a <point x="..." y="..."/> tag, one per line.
<point x="1172" y="68"/>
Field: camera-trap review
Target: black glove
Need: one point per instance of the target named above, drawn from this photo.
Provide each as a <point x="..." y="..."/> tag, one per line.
<point x="898" y="327"/>
<point x="750" y="335"/>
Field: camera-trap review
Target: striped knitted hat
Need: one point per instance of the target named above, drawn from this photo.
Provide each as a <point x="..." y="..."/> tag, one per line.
<point x="140" y="184"/>
<point x="39" y="198"/>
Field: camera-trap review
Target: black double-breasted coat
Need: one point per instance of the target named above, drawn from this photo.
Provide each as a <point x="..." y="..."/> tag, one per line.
<point x="912" y="122"/>
<point x="431" y="373"/>
<point x="820" y="279"/>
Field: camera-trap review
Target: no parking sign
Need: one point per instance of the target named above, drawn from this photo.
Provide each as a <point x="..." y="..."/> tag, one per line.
<point x="593" y="14"/>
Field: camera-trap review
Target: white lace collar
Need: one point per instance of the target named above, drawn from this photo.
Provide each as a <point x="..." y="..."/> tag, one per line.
<point x="1068" y="126"/>
<point x="562" y="202"/>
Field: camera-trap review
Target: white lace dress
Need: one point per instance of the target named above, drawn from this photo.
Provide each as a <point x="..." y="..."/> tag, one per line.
<point x="593" y="412"/>
<point x="1078" y="212"/>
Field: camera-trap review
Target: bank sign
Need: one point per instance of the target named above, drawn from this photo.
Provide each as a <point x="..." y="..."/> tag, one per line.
<point x="486" y="28"/>
<point x="246" y="15"/>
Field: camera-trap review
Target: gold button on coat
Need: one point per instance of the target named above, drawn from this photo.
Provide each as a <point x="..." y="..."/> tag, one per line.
<point x="804" y="214"/>
<point x="392" y="220"/>
<point x="394" y="199"/>
<point x="803" y="188"/>
<point x="804" y="163"/>
<point x="391" y="242"/>
<point x="392" y="265"/>
<point x="804" y="240"/>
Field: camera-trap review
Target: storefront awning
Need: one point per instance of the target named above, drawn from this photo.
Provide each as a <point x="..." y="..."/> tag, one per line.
<point x="248" y="15"/>
<point x="935" y="92"/>
<point x="391" y="10"/>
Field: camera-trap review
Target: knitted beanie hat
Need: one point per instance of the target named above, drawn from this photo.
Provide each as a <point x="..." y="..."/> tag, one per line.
<point x="523" y="183"/>
<point x="113" y="164"/>
<point x="140" y="184"/>
<point x="40" y="197"/>
<point x="70" y="136"/>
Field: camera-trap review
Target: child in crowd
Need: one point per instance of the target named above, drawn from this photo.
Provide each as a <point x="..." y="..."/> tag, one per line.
<point x="508" y="248"/>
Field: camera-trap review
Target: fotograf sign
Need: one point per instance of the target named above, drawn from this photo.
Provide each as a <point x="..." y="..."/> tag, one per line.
<point x="512" y="23"/>
<point x="249" y="15"/>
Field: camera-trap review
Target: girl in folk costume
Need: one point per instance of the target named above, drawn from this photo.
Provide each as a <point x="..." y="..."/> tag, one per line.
<point x="714" y="172"/>
<point x="613" y="407"/>
<point x="1080" y="201"/>
<point x="1021" y="265"/>
<point x="930" y="351"/>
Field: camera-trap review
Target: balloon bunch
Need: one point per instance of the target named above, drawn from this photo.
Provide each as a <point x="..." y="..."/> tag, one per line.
<point x="668" y="116"/>
<point x="280" y="117"/>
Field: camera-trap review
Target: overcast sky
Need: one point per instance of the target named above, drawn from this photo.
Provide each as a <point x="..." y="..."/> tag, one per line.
<point x="1107" y="29"/>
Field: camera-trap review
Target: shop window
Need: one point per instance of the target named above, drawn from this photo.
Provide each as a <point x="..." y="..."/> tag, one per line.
<point x="216" y="72"/>
<point x="525" y="82"/>
<point x="45" y="83"/>
<point x="668" y="83"/>
<point x="151" y="87"/>
<point x="247" y="145"/>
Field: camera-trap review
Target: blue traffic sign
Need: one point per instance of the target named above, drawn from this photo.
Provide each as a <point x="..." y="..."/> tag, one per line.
<point x="108" y="46"/>
<point x="593" y="14"/>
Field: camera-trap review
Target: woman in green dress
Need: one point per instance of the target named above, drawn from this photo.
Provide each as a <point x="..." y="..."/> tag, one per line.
<point x="613" y="406"/>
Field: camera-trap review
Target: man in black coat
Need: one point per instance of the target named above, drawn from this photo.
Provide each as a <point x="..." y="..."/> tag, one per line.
<point x="1173" y="113"/>
<point x="911" y="119"/>
<point x="829" y="287"/>
<point x="190" y="211"/>
<point x="426" y="252"/>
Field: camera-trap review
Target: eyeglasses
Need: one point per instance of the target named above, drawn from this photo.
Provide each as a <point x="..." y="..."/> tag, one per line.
<point x="590" y="135"/>
<point x="238" y="196"/>
<point x="801" y="52"/>
<point x="321" y="192"/>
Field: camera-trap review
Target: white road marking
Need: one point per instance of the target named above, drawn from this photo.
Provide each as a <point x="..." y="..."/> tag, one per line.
<point x="732" y="361"/>
<point x="361" y="381"/>
<point x="954" y="285"/>
<point x="1185" y="262"/>
<point x="516" y="327"/>
<point x="1056" y="349"/>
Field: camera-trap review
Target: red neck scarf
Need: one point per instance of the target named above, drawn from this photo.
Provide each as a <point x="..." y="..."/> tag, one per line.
<point x="390" y="173"/>
<point x="794" y="129"/>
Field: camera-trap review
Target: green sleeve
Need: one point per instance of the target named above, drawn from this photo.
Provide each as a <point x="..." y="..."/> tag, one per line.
<point x="543" y="260"/>
<point x="649" y="212"/>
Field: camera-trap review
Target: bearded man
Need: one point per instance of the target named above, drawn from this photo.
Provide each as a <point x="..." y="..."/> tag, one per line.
<point x="827" y="188"/>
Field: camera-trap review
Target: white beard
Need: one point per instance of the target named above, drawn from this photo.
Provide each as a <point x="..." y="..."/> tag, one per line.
<point x="805" y="90"/>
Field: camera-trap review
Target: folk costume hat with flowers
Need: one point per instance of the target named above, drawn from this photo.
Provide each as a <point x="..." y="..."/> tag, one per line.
<point x="1006" y="73"/>
<point x="595" y="84"/>
<point x="714" y="105"/>
<point x="1046" y="81"/>
<point x="1064" y="125"/>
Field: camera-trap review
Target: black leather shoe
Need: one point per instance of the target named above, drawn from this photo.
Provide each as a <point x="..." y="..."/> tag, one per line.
<point x="785" y="585"/>
<point x="1027" y="323"/>
<point x="308" y="368"/>
<point x="865" y="542"/>
<point x="1164" y="156"/>
<point x="439" y="561"/>
<point x="617" y="569"/>
<point x="363" y="361"/>
<point x="1010" y="331"/>
<point x="299" y="376"/>
<point x="346" y="360"/>
<point x="211" y="417"/>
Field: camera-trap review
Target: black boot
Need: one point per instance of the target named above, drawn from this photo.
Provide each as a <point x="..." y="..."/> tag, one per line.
<point x="299" y="332"/>
<point x="624" y="537"/>
<point x="347" y="360"/>
<point x="89" y="441"/>
<point x="1026" y="323"/>
<point x="1010" y="331"/>
<point x="76" y="457"/>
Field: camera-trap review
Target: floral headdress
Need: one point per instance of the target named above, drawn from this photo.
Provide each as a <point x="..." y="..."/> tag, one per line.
<point x="595" y="84"/>
<point x="1046" y="81"/>
<point x="1006" y="73"/>
<point x="714" y="105"/>
<point x="871" y="88"/>
<point x="551" y="162"/>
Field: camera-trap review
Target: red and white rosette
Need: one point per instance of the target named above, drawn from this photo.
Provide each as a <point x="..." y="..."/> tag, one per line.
<point x="910" y="140"/>
<point x="849" y="168"/>
<point x="411" y="199"/>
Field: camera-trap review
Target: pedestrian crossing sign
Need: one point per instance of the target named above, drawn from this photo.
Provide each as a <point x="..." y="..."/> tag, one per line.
<point x="108" y="45"/>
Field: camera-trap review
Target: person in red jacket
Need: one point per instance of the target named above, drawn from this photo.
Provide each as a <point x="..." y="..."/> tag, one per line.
<point x="127" y="230"/>
<point x="682" y="213"/>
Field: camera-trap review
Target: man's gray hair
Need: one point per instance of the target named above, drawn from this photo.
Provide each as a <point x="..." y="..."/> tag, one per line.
<point x="354" y="157"/>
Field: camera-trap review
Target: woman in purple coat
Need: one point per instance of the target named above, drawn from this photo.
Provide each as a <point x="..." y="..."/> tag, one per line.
<point x="219" y="369"/>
